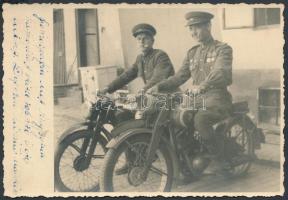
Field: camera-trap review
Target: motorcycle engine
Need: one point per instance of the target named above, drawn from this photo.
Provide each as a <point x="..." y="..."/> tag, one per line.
<point x="199" y="164"/>
<point x="183" y="117"/>
<point x="192" y="153"/>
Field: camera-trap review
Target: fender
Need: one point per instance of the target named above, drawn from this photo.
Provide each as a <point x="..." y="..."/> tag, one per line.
<point x="117" y="141"/>
<point x="127" y="125"/>
<point x="256" y="133"/>
<point x="76" y="127"/>
<point x="82" y="126"/>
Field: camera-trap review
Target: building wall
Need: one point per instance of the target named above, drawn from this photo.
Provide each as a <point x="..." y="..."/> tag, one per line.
<point x="257" y="60"/>
<point x="110" y="37"/>
<point x="247" y="81"/>
<point x="255" y="48"/>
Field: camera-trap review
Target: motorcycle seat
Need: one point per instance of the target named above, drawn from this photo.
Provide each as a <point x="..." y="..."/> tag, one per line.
<point x="240" y="107"/>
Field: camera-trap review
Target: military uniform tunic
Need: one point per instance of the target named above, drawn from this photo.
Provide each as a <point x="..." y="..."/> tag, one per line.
<point x="153" y="67"/>
<point x="209" y="66"/>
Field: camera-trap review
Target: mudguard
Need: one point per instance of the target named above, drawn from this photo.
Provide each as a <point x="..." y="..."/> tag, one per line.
<point x="257" y="133"/>
<point x="76" y="127"/>
<point x="127" y="125"/>
<point x="118" y="140"/>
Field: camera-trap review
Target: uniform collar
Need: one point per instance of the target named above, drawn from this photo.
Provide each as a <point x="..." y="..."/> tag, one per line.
<point x="148" y="53"/>
<point x="208" y="42"/>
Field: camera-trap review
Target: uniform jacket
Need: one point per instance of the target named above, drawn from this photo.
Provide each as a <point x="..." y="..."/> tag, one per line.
<point x="209" y="66"/>
<point x="154" y="67"/>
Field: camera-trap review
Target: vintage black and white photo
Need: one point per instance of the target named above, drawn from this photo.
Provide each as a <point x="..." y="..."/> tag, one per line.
<point x="182" y="99"/>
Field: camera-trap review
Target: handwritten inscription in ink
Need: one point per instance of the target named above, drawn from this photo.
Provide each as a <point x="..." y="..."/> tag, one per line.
<point x="28" y="70"/>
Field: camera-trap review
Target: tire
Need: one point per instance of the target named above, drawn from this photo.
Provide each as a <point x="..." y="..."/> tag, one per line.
<point x="62" y="185"/>
<point x="242" y="169"/>
<point x="106" y="178"/>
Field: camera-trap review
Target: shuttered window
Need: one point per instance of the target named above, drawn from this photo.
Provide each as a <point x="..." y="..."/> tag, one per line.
<point x="266" y="16"/>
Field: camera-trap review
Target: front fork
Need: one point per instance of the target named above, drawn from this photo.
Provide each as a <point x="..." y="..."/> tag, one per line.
<point x="93" y="139"/>
<point x="159" y="126"/>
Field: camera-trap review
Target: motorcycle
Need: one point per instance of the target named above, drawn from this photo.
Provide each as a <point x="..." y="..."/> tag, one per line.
<point x="81" y="148"/>
<point x="165" y="148"/>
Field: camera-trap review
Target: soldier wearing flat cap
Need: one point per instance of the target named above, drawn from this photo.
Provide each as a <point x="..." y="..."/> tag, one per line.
<point x="153" y="65"/>
<point x="209" y="64"/>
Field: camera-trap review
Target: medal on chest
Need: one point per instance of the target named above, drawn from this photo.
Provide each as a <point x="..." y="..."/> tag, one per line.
<point x="192" y="64"/>
<point x="211" y="57"/>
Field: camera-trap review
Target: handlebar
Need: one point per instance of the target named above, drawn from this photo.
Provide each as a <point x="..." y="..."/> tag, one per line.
<point x="135" y="98"/>
<point x="188" y="93"/>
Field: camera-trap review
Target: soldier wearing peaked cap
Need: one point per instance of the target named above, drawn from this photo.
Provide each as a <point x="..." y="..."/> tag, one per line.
<point x="153" y="65"/>
<point x="198" y="18"/>
<point x="143" y="28"/>
<point x="209" y="64"/>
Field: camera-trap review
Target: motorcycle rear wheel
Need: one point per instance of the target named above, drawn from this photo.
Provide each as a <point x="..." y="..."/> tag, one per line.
<point x="77" y="180"/>
<point x="243" y="137"/>
<point x="129" y="182"/>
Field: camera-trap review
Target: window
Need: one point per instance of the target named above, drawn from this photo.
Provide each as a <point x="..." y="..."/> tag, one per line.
<point x="266" y="16"/>
<point x="247" y="17"/>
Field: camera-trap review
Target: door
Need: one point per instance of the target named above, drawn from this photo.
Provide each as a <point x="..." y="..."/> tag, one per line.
<point x="88" y="38"/>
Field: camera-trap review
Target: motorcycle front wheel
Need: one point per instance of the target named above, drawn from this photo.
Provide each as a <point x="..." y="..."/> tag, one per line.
<point x="71" y="173"/>
<point x="160" y="175"/>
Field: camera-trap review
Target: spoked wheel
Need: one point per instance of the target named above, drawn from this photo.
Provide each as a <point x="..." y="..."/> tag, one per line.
<point x="72" y="171"/>
<point x="159" y="178"/>
<point x="239" y="136"/>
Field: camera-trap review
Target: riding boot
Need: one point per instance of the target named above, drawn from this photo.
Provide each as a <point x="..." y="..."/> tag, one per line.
<point x="215" y="148"/>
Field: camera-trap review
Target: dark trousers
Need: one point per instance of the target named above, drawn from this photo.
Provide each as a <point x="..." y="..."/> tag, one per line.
<point x="205" y="119"/>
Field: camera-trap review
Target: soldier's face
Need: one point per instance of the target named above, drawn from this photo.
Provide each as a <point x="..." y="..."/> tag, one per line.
<point x="144" y="42"/>
<point x="200" y="32"/>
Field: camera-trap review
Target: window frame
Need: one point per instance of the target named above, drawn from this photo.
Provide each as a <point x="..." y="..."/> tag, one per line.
<point x="264" y="26"/>
<point x="225" y="27"/>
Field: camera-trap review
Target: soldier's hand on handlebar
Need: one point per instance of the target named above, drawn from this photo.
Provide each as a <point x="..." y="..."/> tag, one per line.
<point x="103" y="91"/>
<point x="198" y="90"/>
